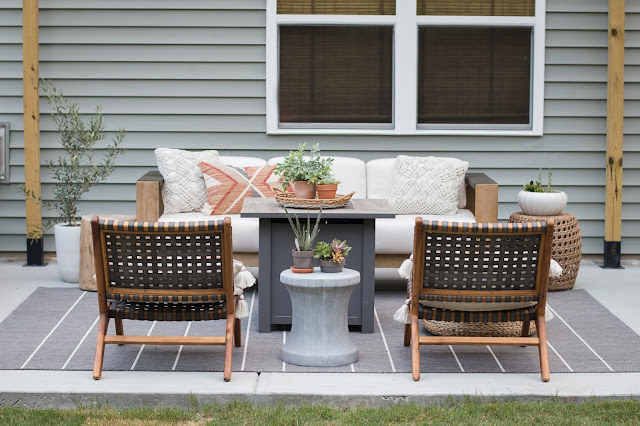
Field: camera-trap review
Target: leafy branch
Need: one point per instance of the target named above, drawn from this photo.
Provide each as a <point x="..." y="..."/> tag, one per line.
<point x="77" y="170"/>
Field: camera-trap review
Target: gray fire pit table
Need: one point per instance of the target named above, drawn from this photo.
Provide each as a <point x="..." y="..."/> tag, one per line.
<point x="319" y="331"/>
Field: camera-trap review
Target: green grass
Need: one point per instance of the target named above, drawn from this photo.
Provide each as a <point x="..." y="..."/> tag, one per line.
<point x="468" y="413"/>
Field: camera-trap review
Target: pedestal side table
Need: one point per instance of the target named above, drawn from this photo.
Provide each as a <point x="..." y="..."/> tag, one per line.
<point x="566" y="249"/>
<point x="319" y="331"/>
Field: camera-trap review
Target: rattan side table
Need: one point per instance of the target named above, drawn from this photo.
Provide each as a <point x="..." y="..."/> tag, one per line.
<point x="566" y="249"/>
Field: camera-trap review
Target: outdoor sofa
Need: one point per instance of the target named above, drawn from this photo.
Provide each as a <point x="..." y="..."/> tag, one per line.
<point x="477" y="202"/>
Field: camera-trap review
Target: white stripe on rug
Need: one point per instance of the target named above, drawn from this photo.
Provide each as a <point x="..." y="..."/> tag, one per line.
<point x="284" y="340"/>
<point x="456" y="357"/>
<point x="80" y="344"/>
<point x="246" y="339"/>
<point x="135" y="361"/>
<point x="175" y="363"/>
<point x="52" y="330"/>
<point x="496" y="358"/>
<point x="384" y="340"/>
<point x="578" y="336"/>
<point x="559" y="356"/>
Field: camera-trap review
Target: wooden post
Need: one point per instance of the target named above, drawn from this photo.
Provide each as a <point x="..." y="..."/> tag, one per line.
<point x="615" y="116"/>
<point x="31" y="97"/>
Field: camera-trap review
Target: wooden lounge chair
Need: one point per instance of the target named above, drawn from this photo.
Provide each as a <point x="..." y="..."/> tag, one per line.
<point x="463" y="272"/>
<point x="164" y="271"/>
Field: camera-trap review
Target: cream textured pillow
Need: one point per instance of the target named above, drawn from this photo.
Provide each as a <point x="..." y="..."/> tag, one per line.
<point x="427" y="185"/>
<point x="183" y="190"/>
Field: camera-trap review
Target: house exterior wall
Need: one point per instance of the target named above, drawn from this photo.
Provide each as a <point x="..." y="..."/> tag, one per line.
<point x="194" y="78"/>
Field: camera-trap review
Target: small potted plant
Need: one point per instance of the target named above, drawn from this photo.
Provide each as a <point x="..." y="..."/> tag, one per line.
<point x="539" y="200"/>
<point x="303" y="173"/>
<point x="331" y="257"/>
<point x="74" y="172"/>
<point x="304" y="238"/>
<point x="327" y="187"/>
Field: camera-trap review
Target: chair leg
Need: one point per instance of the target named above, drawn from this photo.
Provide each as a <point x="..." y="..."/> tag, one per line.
<point x="119" y="328"/>
<point x="103" y="324"/>
<point x="415" y="349"/>
<point x="525" y="328"/>
<point x="407" y="334"/>
<point x="542" y="348"/>
<point x="228" y="347"/>
<point x="237" y="333"/>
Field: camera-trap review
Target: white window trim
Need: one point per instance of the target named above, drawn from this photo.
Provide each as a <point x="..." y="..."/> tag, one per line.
<point x="405" y="69"/>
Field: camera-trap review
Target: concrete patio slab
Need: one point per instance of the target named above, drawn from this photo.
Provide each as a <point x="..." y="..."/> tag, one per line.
<point x="617" y="290"/>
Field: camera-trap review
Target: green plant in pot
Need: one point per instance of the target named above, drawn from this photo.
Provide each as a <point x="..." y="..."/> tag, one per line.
<point x="304" y="238"/>
<point x="73" y="173"/>
<point x="327" y="188"/>
<point x="303" y="173"/>
<point x="541" y="200"/>
<point x="331" y="257"/>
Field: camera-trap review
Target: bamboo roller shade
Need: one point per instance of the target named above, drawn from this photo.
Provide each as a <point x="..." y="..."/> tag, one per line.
<point x="476" y="7"/>
<point x="337" y="7"/>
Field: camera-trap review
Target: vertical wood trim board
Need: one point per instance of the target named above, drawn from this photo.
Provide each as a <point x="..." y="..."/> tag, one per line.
<point x="31" y="113"/>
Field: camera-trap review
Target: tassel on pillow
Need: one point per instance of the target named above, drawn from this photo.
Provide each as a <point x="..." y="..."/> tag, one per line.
<point x="555" y="270"/>
<point x="402" y="314"/>
<point x="406" y="269"/>
<point x="242" y="308"/>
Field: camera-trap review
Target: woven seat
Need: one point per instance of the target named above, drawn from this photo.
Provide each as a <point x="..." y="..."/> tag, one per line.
<point x="168" y="312"/>
<point x="169" y="271"/>
<point x="523" y="314"/>
<point x="460" y="269"/>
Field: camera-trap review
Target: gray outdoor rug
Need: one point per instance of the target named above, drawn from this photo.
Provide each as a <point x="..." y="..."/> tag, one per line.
<point x="56" y="329"/>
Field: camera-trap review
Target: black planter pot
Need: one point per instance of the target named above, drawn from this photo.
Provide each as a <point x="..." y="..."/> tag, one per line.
<point x="329" y="266"/>
<point x="302" y="259"/>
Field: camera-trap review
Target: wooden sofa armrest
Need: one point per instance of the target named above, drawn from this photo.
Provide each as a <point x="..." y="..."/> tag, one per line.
<point x="482" y="197"/>
<point x="149" y="205"/>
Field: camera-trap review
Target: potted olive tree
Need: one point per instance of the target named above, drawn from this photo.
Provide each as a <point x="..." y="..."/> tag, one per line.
<point x="74" y="173"/>
<point x="303" y="173"/>
<point x="539" y="200"/>
<point x="331" y="257"/>
<point x="304" y="238"/>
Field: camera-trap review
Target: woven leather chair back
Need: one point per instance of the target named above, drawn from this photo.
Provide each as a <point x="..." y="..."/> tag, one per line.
<point x="165" y="256"/>
<point x="467" y="258"/>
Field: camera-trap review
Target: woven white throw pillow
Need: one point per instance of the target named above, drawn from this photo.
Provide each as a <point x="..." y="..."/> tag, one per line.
<point x="184" y="189"/>
<point x="427" y="185"/>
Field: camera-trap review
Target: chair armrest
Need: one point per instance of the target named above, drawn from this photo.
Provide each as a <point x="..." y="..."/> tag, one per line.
<point x="482" y="197"/>
<point x="149" y="206"/>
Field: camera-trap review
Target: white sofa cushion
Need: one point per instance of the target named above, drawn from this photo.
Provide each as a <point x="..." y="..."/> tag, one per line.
<point x="352" y="172"/>
<point x="235" y="161"/>
<point x="380" y="174"/>
<point x="395" y="236"/>
<point x="245" y="229"/>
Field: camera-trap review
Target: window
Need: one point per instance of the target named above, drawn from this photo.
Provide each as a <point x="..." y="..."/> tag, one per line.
<point x="405" y="67"/>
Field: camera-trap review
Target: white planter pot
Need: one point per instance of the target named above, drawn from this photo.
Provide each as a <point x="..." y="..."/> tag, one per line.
<point x="68" y="251"/>
<point x="542" y="203"/>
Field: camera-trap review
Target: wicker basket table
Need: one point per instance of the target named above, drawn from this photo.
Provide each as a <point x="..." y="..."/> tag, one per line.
<point x="566" y="249"/>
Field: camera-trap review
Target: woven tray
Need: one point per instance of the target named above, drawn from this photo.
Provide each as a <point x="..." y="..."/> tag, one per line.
<point x="503" y="329"/>
<point x="287" y="199"/>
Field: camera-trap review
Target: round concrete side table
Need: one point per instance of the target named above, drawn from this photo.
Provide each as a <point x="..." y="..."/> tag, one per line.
<point x="319" y="329"/>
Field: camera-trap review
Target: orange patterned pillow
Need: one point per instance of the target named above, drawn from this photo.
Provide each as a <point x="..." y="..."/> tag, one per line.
<point x="228" y="186"/>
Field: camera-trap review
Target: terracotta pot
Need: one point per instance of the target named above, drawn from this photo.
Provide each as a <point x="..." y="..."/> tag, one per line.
<point x="304" y="190"/>
<point x="302" y="259"/>
<point x="542" y="203"/>
<point x="329" y="266"/>
<point x="327" y="192"/>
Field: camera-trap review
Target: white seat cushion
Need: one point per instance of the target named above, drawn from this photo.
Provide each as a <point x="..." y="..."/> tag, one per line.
<point x="395" y="236"/>
<point x="350" y="171"/>
<point x="245" y="229"/>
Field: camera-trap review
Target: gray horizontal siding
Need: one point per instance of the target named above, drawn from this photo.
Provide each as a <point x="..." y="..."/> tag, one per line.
<point x="191" y="75"/>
